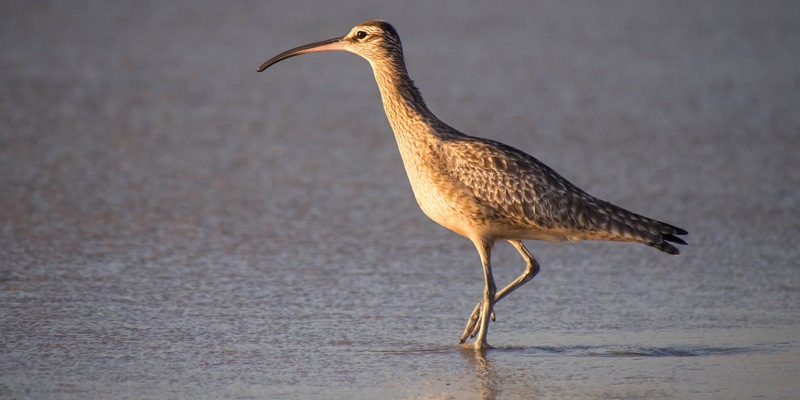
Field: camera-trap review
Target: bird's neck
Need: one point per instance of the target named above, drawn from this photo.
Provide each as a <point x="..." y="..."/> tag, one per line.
<point x="407" y="112"/>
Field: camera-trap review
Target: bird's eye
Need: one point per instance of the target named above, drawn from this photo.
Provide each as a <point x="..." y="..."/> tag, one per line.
<point x="361" y="35"/>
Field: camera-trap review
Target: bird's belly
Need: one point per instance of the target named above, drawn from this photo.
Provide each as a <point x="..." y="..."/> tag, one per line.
<point x="446" y="215"/>
<point x="446" y="203"/>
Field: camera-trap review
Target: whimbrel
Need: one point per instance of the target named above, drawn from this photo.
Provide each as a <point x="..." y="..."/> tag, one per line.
<point x="479" y="188"/>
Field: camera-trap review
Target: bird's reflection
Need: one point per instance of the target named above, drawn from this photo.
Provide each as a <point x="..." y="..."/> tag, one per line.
<point x="486" y="378"/>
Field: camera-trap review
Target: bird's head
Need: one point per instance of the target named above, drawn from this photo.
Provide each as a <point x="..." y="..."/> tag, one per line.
<point x="376" y="41"/>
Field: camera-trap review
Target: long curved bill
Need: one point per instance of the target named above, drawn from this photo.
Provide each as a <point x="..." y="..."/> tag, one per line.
<point x="330" y="44"/>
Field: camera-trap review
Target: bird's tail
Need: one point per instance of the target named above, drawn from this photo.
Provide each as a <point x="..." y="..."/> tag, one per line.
<point x="663" y="240"/>
<point x="630" y="226"/>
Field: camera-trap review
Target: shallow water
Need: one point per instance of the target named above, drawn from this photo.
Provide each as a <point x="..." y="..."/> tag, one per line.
<point x="175" y="225"/>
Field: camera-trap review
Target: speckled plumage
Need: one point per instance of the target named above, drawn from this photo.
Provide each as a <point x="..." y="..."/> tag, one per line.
<point x="479" y="188"/>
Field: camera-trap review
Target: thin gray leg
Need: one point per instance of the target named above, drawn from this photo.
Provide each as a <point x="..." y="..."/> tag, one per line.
<point x="531" y="270"/>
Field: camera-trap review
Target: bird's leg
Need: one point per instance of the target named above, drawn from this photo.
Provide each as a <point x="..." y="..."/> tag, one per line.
<point x="531" y="270"/>
<point x="489" y="293"/>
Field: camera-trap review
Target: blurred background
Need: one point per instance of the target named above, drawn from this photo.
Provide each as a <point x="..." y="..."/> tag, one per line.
<point x="173" y="224"/>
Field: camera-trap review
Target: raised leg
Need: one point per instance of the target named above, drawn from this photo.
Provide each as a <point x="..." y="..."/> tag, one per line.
<point x="531" y="270"/>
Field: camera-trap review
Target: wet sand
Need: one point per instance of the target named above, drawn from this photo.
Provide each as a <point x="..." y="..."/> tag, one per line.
<point x="174" y="225"/>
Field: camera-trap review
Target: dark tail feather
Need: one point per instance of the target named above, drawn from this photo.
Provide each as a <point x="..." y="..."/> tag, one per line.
<point x="603" y="216"/>
<point x="674" y="239"/>
<point x="645" y="230"/>
<point x="667" y="234"/>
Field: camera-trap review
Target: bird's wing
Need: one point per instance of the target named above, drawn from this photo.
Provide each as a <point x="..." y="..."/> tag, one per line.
<point x="518" y="186"/>
<point x="522" y="191"/>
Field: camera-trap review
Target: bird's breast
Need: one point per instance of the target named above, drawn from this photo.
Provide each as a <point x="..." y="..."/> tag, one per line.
<point x="440" y="196"/>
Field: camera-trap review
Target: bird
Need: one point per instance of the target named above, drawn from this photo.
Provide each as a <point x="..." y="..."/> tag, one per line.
<point x="479" y="188"/>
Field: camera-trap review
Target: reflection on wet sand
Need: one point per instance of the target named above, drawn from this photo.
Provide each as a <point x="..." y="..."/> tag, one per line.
<point x="509" y="372"/>
<point x="483" y="369"/>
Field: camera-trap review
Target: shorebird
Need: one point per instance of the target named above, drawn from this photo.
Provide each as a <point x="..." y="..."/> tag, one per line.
<point x="479" y="188"/>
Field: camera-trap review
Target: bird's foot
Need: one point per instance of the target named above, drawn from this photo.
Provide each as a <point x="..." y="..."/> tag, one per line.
<point x="473" y="325"/>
